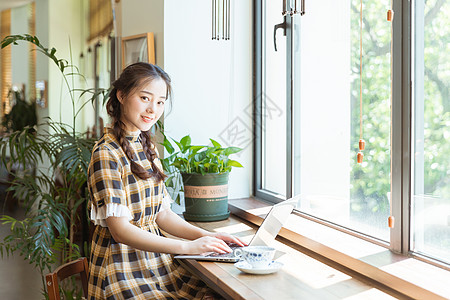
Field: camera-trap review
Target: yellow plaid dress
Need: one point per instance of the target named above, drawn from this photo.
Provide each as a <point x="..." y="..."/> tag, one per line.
<point x="116" y="270"/>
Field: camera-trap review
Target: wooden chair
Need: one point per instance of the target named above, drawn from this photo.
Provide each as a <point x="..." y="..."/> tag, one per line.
<point x="71" y="268"/>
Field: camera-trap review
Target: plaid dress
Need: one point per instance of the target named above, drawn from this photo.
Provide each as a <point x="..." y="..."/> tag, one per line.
<point x="116" y="270"/>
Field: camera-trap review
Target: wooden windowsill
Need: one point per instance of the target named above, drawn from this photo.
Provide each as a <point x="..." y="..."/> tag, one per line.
<point x="388" y="271"/>
<point x="301" y="277"/>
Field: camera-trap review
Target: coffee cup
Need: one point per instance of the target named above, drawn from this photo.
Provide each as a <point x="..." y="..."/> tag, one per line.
<point x="257" y="256"/>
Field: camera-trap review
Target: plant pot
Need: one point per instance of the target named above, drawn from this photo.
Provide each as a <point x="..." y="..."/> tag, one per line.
<point x="206" y="197"/>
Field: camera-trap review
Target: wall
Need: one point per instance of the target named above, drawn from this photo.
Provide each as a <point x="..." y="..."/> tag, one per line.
<point x="64" y="32"/>
<point x="212" y="81"/>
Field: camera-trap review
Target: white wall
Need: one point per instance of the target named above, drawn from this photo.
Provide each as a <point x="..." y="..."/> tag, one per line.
<point x="64" y="25"/>
<point x="212" y="80"/>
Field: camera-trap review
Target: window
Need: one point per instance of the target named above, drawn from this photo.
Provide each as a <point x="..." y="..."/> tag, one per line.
<point x="321" y="116"/>
<point x="431" y="129"/>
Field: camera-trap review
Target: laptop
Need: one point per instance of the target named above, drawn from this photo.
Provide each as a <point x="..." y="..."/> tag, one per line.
<point x="265" y="235"/>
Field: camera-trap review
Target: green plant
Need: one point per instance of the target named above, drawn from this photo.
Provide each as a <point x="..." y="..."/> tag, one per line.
<point x="22" y="113"/>
<point x="195" y="159"/>
<point x="53" y="193"/>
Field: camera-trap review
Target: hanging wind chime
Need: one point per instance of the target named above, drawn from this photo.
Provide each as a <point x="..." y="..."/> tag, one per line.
<point x="220" y="21"/>
<point x="360" y="156"/>
<point x="362" y="143"/>
<point x="390" y="18"/>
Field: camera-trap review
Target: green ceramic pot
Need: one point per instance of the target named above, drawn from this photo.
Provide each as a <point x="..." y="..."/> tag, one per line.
<point x="206" y="197"/>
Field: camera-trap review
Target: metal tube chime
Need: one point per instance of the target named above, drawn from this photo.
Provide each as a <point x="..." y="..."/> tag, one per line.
<point x="220" y="22"/>
<point x="293" y="10"/>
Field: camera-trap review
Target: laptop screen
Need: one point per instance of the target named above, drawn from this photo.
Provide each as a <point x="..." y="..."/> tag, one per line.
<point x="272" y="224"/>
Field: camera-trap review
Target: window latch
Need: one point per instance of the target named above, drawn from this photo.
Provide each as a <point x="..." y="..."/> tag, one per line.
<point x="278" y="26"/>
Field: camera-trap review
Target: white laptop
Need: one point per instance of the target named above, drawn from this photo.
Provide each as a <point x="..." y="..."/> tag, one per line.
<point x="266" y="233"/>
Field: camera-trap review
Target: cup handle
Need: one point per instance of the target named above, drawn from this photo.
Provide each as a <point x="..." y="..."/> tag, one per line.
<point x="237" y="252"/>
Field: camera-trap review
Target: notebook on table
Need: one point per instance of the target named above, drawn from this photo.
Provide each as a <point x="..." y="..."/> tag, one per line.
<point x="266" y="233"/>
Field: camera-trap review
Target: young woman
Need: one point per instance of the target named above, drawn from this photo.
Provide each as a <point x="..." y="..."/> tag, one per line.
<point x="130" y="258"/>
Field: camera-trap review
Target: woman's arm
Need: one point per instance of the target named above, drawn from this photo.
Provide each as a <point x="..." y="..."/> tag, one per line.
<point x="171" y="223"/>
<point x="126" y="233"/>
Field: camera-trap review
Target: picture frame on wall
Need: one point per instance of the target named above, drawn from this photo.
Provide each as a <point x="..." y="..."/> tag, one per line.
<point x="136" y="48"/>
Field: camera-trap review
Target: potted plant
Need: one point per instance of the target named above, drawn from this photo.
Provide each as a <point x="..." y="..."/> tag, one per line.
<point x="204" y="172"/>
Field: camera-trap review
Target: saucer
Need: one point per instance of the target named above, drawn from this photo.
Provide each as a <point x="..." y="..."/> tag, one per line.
<point x="247" y="268"/>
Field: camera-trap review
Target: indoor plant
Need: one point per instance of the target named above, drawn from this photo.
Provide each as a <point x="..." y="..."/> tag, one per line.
<point x="52" y="195"/>
<point x="204" y="172"/>
<point x="22" y="114"/>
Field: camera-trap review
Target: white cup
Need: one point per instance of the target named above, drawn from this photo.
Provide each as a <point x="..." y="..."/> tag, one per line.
<point x="258" y="257"/>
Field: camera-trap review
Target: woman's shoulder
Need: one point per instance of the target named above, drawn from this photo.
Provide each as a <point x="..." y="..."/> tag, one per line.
<point x="109" y="143"/>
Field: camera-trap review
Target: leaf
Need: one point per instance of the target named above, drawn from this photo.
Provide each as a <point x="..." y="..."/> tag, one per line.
<point x="177" y="164"/>
<point x="179" y="145"/>
<point x="7" y="42"/>
<point x="185" y="143"/>
<point x="168" y="146"/>
<point x="216" y="144"/>
<point x="234" y="163"/>
<point x="232" y="150"/>
<point x="169" y="181"/>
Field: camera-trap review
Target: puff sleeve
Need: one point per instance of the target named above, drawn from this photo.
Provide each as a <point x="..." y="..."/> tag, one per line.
<point x="108" y="197"/>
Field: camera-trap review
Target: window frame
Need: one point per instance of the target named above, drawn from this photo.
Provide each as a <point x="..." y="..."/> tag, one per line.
<point x="258" y="191"/>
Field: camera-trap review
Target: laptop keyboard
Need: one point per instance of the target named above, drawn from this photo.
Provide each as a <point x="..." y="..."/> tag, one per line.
<point x="230" y="254"/>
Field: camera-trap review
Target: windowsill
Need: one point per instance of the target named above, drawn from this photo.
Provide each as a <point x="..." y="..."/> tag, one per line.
<point x="408" y="276"/>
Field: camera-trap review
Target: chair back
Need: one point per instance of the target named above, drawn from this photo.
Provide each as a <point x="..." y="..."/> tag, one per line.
<point x="79" y="266"/>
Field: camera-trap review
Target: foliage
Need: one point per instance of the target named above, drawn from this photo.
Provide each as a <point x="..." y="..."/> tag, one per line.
<point x="197" y="159"/>
<point x="22" y="114"/>
<point x="51" y="179"/>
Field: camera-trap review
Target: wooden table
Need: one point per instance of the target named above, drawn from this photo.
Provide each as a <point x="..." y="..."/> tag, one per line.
<point x="301" y="277"/>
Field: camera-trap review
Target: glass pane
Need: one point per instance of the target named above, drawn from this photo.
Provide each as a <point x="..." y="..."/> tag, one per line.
<point x="273" y="102"/>
<point x="431" y="135"/>
<point x="334" y="187"/>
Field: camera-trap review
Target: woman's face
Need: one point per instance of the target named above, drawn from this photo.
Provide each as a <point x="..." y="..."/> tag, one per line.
<point x="142" y="108"/>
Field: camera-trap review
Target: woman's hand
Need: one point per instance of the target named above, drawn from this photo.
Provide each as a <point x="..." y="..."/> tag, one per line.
<point x="228" y="238"/>
<point x="207" y="244"/>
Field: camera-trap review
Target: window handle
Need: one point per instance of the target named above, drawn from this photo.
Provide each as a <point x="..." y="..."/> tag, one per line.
<point x="278" y="26"/>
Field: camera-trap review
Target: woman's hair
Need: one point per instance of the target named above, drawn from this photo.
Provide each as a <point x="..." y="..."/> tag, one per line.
<point x="133" y="77"/>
